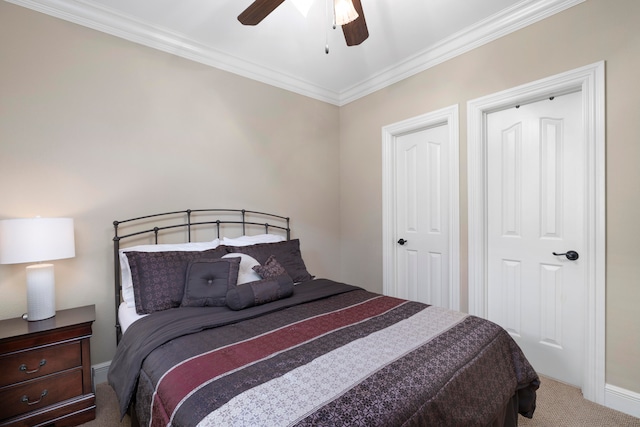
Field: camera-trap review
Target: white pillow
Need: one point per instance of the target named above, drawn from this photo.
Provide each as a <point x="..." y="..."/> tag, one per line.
<point x="246" y="273"/>
<point x="252" y="240"/>
<point x="127" y="281"/>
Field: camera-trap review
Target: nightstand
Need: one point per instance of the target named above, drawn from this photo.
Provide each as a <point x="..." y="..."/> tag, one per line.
<point x="45" y="370"/>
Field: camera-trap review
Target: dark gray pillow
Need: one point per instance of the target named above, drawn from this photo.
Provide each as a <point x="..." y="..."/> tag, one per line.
<point x="287" y="253"/>
<point x="208" y="281"/>
<point x="158" y="277"/>
<point x="259" y="292"/>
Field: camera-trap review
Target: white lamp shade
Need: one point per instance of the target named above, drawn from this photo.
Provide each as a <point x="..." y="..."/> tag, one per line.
<point x="36" y="239"/>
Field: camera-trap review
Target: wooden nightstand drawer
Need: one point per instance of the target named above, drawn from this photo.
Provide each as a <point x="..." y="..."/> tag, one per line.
<point x="26" y="365"/>
<point x="45" y="370"/>
<point x="35" y="394"/>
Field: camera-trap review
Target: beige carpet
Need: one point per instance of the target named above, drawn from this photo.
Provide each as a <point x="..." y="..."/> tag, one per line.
<point x="559" y="405"/>
<point x="107" y="413"/>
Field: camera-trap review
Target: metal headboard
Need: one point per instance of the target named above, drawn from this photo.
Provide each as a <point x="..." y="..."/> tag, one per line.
<point x="168" y="223"/>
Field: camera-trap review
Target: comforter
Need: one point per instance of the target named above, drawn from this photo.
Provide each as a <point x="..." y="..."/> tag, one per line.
<point x="332" y="354"/>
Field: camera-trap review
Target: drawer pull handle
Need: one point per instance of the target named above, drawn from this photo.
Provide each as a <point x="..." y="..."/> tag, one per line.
<point x="23" y="367"/>
<point x="25" y="399"/>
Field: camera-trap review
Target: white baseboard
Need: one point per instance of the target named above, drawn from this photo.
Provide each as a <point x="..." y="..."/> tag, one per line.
<point x="100" y="371"/>
<point x="617" y="398"/>
<point x="622" y="400"/>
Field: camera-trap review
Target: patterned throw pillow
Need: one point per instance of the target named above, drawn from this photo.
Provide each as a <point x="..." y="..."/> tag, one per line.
<point x="287" y="252"/>
<point x="270" y="269"/>
<point x="158" y="277"/>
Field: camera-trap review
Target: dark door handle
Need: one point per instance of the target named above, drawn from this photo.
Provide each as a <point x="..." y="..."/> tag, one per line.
<point x="402" y="242"/>
<point x="571" y="255"/>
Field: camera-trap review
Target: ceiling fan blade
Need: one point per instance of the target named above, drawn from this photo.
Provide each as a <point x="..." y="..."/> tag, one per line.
<point x="355" y="32"/>
<point x="257" y="11"/>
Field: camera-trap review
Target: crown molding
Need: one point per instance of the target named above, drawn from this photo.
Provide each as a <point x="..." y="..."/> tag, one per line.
<point x="109" y="21"/>
<point x="501" y="24"/>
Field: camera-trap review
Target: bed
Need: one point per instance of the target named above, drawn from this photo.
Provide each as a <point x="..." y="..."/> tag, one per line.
<point x="223" y="331"/>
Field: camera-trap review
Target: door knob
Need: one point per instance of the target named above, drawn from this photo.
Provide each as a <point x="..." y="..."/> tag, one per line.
<point x="571" y="255"/>
<point x="402" y="242"/>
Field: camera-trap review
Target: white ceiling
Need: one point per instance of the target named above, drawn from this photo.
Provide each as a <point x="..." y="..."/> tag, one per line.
<point x="287" y="49"/>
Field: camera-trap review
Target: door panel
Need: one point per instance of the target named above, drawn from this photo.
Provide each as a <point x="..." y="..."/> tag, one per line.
<point x="536" y="207"/>
<point x="422" y="200"/>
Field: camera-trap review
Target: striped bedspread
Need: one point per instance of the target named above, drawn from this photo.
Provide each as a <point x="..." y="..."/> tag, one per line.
<point x="355" y="358"/>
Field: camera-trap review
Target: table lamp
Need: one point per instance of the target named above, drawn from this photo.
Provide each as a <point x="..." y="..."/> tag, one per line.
<point x="29" y="240"/>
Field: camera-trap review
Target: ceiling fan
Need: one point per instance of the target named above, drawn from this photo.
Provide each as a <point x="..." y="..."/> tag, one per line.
<point x="355" y="31"/>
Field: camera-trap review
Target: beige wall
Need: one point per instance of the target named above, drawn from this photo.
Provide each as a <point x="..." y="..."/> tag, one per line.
<point x="593" y="31"/>
<point x="97" y="128"/>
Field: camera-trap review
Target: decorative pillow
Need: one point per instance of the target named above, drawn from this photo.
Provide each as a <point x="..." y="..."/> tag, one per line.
<point x="252" y="240"/>
<point x="270" y="269"/>
<point x="158" y="277"/>
<point x="246" y="273"/>
<point x="208" y="281"/>
<point x="259" y="292"/>
<point x="125" y="270"/>
<point x="287" y="253"/>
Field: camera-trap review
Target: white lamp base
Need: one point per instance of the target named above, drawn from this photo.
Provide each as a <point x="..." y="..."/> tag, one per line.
<point x="41" y="292"/>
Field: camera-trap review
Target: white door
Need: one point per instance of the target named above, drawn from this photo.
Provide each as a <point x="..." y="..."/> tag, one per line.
<point x="535" y="182"/>
<point x="422" y="194"/>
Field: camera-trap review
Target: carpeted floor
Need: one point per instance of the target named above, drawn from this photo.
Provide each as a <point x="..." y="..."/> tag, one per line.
<point x="107" y="413"/>
<point x="559" y="405"/>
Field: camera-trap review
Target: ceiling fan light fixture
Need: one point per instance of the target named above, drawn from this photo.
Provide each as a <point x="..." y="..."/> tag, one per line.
<point x="344" y="11"/>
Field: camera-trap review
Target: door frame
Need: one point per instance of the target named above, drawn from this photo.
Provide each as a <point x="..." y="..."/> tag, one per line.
<point x="445" y="116"/>
<point x="590" y="81"/>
